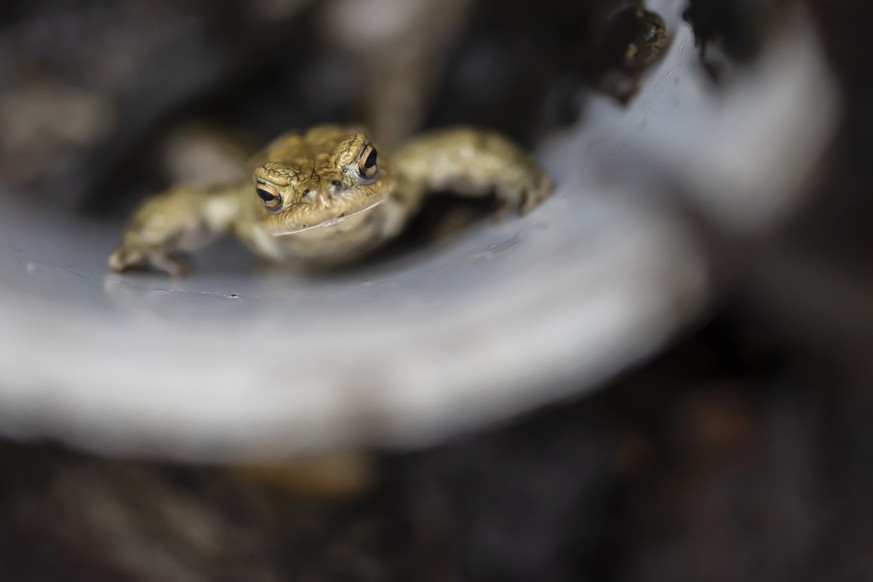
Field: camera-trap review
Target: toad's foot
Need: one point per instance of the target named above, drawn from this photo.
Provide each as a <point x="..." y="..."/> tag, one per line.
<point x="472" y="162"/>
<point x="526" y="192"/>
<point x="168" y="226"/>
<point x="131" y="257"/>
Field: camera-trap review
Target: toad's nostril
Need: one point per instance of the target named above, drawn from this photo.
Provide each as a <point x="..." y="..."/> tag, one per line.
<point x="336" y="185"/>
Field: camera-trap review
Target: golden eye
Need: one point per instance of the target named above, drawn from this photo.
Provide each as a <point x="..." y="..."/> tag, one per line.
<point x="272" y="200"/>
<point x="368" y="168"/>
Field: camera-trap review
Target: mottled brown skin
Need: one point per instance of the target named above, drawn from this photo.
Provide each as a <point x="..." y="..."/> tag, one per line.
<point x="327" y="196"/>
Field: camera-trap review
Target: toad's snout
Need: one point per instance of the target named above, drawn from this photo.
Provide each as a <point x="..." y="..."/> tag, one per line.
<point x="326" y="194"/>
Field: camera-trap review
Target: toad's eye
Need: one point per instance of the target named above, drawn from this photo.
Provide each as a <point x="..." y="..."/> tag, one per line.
<point x="368" y="168"/>
<point x="272" y="200"/>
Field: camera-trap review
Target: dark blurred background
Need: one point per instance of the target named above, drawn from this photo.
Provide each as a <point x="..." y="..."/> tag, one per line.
<point x="744" y="452"/>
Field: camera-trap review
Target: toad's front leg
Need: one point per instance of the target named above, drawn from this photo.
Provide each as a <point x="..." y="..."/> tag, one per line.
<point x="169" y="225"/>
<point x="471" y="162"/>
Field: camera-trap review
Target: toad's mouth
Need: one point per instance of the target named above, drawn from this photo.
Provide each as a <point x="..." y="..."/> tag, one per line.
<point x="334" y="221"/>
